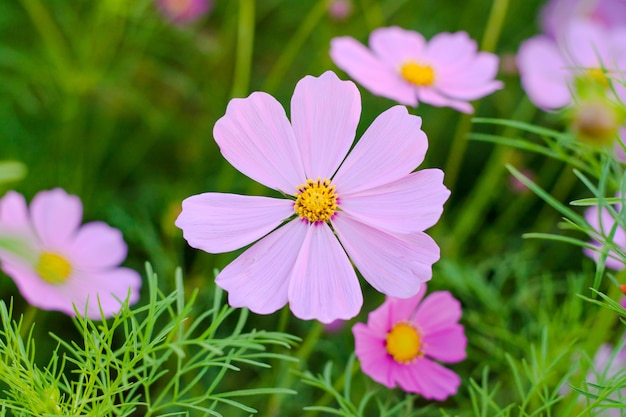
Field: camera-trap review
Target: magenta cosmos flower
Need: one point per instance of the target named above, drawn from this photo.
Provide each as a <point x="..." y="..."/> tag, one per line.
<point x="586" y="52"/>
<point x="368" y="206"/>
<point x="182" y="12"/>
<point x="602" y="221"/>
<point x="61" y="264"/>
<point x="404" y="337"/>
<point x="401" y="65"/>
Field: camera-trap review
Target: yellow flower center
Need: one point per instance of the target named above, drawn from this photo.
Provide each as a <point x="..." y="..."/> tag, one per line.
<point x="53" y="268"/>
<point x="316" y="201"/>
<point x="404" y="343"/>
<point x="598" y="76"/>
<point x="420" y="75"/>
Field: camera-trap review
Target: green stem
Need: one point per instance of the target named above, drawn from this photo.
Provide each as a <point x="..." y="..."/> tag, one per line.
<point x="285" y="378"/>
<point x="459" y="143"/>
<point x="294" y="46"/>
<point x="245" y="47"/>
<point x="28" y="318"/>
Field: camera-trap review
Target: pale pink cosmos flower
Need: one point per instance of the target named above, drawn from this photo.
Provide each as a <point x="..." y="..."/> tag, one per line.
<point x="608" y="362"/>
<point x="586" y="51"/>
<point x="447" y="71"/>
<point x="603" y="222"/>
<point x="367" y="207"/>
<point x="61" y="264"/>
<point x="556" y="15"/>
<point x="404" y="338"/>
<point x="182" y="12"/>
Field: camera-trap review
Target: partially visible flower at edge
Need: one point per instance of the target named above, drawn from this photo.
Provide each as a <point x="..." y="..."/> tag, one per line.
<point x="404" y="337"/>
<point x="367" y="207"/>
<point x="586" y="55"/>
<point x="447" y="71"/>
<point x="63" y="264"/>
<point x="602" y="221"/>
<point x="608" y="362"/>
<point x="183" y="12"/>
<point x="556" y="15"/>
<point x="340" y="9"/>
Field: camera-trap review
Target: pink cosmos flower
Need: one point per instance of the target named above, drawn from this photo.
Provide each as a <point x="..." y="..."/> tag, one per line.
<point x="603" y="222"/>
<point x="182" y="12"/>
<point x="367" y="207"/>
<point x="608" y="362"/>
<point x="586" y="52"/>
<point x="62" y="264"/>
<point x="404" y="337"/>
<point x="557" y="14"/>
<point x="401" y="65"/>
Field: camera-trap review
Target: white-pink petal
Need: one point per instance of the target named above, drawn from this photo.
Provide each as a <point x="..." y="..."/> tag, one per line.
<point x="14" y="215"/>
<point x="394" y="46"/>
<point x="56" y="217"/>
<point x="368" y="70"/>
<point x="256" y="138"/>
<point x="216" y="222"/>
<point x="323" y="284"/>
<point x="435" y="98"/>
<point x="325" y="113"/>
<point x="96" y="246"/>
<point x="450" y="51"/>
<point x="392" y="147"/>
<point x="411" y="204"/>
<point x="259" y="278"/>
<point x="396" y="265"/>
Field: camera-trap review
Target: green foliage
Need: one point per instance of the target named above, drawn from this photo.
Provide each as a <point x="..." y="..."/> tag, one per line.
<point x="167" y="357"/>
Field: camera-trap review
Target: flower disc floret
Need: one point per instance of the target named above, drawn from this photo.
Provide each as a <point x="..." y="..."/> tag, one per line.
<point x="403" y="343"/>
<point x="53" y="268"/>
<point x="316" y="201"/>
<point x="417" y="74"/>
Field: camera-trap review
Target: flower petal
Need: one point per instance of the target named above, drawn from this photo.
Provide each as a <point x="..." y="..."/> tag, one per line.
<point x="472" y="82"/>
<point x="106" y="290"/>
<point x="216" y="222"/>
<point x="437" y="312"/>
<point x="256" y="138"/>
<point x="544" y="74"/>
<point x="427" y="378"/>
<point x="403" y="309"/>
<point x="56" y="216"/>
<point x="97" y="246"/>
<point x="450" y="51"/>
<point x="369" y="348"/>
<point x="447" y="345"/>
<point x="259" y="278"/>
<point x="375" y="75"/>
<point x="392" y="147"/>
<point x="411" y="204"/>
<point x="435" y="98"/>
<point x="14" y="213"/>
<point x="325" y="113"/>
<point x="393" y="264"/>
<point x="394" y="45"/>
<point x="323" y="284"/>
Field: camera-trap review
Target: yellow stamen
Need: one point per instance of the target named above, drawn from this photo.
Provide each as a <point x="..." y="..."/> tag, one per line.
<point x="53" y="268"/>
<point x="420" y="75"/>
<point x="316" y="201"/>
<point x="598" y="76"/>
<point x="404" y="343"/>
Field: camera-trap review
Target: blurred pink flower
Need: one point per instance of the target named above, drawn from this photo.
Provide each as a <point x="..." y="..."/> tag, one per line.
<point x="608" y="363"/>
<point x="602" y="221"/>
<point x="401" y="65"/>
<point x="340" y="9"/>
<point x="371" y="207"/>
<point x="556" y="15"/>
<point x="182" y="12"/>
<point x="586" y="51"/>
<point x="404" y="337"/>
<point x="63" y="264"/>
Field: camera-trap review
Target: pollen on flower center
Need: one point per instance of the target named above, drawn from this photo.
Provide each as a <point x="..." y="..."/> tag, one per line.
<point x="316" y="201"/>
<point x="598" y="76"/>
<point x="420" y="75"/>
<point x="403" y="343"/>
<point x="53" y="268"/>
